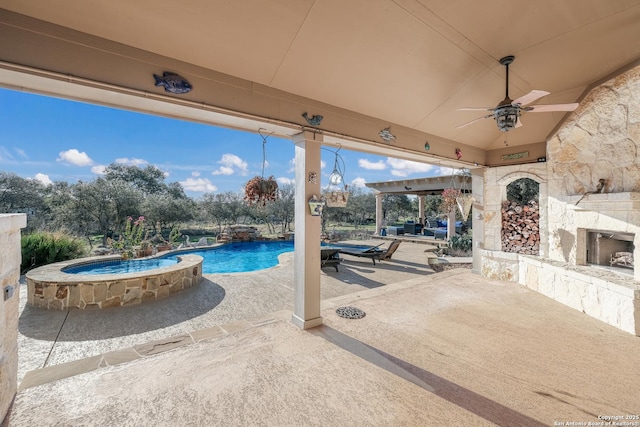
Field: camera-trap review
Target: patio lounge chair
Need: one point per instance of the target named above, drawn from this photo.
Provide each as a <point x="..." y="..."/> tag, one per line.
<point x="330" y="258"/>
<point x="374" y="253"/>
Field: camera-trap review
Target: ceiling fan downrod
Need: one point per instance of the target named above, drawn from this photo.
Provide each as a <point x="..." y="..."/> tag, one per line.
<point x="506" y="61"/>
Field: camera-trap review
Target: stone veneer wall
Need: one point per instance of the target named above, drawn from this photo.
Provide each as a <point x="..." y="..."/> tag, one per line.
<point x="600" y="140"/>
<point x="10" y="256"/>
<point x="48" y="287"/>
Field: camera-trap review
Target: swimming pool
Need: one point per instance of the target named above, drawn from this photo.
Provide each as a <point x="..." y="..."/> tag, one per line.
<point x="229" y="258"/>
<point x="239" y="257"/>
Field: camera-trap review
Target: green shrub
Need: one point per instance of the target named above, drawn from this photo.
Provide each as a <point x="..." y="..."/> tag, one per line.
<point x="460" y="245"/>
<point x="42" y="248"/>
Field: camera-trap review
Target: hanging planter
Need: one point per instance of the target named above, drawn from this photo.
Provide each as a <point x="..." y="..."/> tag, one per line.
<point x="450" y="198"/>
<point x="464" y="202"/>
<point x="260" y="190"/>
<point x="337" y="199"/>
<point x="316" y="206"/>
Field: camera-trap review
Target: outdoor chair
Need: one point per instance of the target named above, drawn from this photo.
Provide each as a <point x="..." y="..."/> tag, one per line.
<point x="330" y="258"/>
<point x="374" y="253"/>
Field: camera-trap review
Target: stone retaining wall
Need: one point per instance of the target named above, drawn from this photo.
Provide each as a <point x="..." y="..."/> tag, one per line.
<point x="49" y="287"/>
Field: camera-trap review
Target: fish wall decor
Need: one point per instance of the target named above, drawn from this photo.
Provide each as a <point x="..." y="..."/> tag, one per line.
<point x="173" y="83"/>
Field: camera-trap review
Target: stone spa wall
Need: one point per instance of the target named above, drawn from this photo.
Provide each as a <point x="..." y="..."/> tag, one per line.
<point x="51" y="288"/>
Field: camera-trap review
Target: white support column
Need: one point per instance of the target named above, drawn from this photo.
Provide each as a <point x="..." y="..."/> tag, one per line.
<point x="451" y="223"/>
<point x="306" y="259"/>
<point x="421" y="209"/>
<point x="379" y="217"/>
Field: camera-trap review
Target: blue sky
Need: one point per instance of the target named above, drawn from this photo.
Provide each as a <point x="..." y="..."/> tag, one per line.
<point x="52" y="139"/>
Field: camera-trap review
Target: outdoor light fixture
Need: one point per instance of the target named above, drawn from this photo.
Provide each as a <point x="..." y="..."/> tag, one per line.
<point x="506" y="116"/>
<point x="337" y="174"/>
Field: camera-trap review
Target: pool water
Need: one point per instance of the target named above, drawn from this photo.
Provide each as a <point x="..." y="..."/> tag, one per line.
<point x="229" y="258"/>
<point x="121" y="267"/>
<point x="240" y="257"/>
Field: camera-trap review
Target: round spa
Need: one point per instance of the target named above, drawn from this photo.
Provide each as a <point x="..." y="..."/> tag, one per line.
<point x="55" y="287"/>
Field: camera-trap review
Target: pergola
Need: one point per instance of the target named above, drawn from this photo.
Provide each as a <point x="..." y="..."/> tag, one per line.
<point x="420" y="187"/>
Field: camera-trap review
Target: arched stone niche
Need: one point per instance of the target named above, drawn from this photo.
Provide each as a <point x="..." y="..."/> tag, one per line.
<point x="496" y="181"/>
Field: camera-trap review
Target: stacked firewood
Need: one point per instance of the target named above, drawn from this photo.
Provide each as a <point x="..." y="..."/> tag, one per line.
<point x="520" y="228"/>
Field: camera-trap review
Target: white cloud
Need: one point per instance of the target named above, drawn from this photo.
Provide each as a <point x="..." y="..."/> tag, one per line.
<point x="444" y="171"/>
<point x="285" y="181"/>
<point x="230" y="164"/>
<point x="21" y="152"/>
<point x="323" y="164"/>
<point x="223" y="170"/>
<point x="75" y="157"/>
<point x="292" y="162"/>
<point x="406" y="167"/>
<point x="43" y="178"/>
<point x="195" y="173"/>
<point x="199" y="185"/>
<point x="5" y="154"/>
<point x="98" y="169"/>
<point x="131" y="162"/>
<point x="358" y="182"/>
<point x="366" y="164"/>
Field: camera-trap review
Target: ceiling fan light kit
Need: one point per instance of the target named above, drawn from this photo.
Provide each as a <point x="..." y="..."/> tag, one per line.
<point x="507" y="113"/>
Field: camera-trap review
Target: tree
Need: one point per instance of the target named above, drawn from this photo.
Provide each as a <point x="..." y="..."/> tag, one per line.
<point x="167" y="210"/>
<point x="283" y="208"/>
<point x="100" y="207"/>
<point x="395" y="206"/>
<point x="149" y="180"/>
<point x="361" y="206"/>
<point x="223" y="208"/>
<point x="20" y="195"/>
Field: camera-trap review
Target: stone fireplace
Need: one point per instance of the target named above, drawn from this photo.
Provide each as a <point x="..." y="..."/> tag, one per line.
<point x="610" y="248"/>
<point x="606" y="229"/>
<point x="589" y="209"/>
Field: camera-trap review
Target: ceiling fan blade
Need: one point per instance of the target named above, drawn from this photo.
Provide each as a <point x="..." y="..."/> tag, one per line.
<point x="473" y="121"/>
<point x="475" y="109"/>
<point x="530" y="97"/>
<point x="552" y="107"/>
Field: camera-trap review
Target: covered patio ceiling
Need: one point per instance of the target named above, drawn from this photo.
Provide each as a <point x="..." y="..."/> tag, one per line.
<point x="365" y="65"/>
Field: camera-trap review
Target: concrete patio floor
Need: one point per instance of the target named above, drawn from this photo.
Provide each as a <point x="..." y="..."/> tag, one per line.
<point x="442" y="349"/>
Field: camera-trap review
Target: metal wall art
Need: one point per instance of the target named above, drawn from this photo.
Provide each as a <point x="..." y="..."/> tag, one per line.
<point x="387" y="135"/>
<point x="313" y="120"/>
<point x="173" y="83"/>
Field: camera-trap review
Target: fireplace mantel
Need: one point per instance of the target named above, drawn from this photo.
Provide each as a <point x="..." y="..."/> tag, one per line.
<point x="604" y="202"/>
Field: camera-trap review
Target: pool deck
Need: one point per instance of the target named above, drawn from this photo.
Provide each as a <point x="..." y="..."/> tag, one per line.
<point x="51" y="337"/>
<point x="443" y="349"/>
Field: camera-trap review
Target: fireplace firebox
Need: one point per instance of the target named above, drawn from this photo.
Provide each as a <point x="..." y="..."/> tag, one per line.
<point x="610" y="248"/>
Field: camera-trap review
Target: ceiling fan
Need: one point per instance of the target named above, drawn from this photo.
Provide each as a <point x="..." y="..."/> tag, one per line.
<point x="507" y="112"/>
